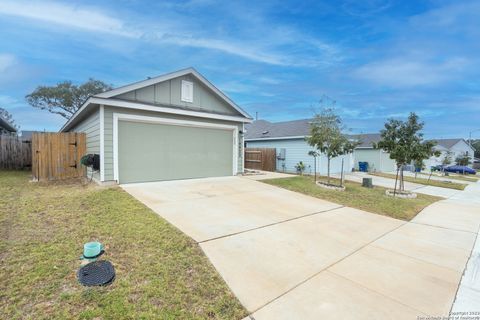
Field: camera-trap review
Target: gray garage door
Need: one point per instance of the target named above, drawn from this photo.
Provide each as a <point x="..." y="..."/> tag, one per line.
<point x="155" y="152"/>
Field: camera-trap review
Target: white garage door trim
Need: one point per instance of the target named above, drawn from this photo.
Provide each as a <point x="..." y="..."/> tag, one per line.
<point x="186" y="123"/>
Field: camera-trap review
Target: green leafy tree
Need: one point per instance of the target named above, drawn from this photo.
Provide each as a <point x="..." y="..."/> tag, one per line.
<point x="65" y="98"/>
<point x="326" y="136"/>
<point x="404" y="141"/>
<point x="476" y="146"/>
<point x="448" y="158"/>
<point x="7" y="116"/>
<point x="463" y="160"/>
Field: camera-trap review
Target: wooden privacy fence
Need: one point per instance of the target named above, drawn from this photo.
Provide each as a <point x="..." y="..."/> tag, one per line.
<point x="56" y="156"/>
<point x="261" y="159"/>
<point x="15" y="153"/>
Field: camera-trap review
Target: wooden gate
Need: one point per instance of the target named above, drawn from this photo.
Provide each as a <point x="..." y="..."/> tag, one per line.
<point x="15" y="153"/>
<point x="56" y="156"/>
<point x="261" y="159"/>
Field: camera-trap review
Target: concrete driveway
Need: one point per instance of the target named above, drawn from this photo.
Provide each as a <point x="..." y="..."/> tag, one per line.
<point x="290" y="256"/>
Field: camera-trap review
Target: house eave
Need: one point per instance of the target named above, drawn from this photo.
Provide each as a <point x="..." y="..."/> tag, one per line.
<point x="95" y="101"/>
<point x="276" y="138"/>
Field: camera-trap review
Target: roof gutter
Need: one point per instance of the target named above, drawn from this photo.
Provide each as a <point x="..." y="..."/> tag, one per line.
<point x="276" y="138"/>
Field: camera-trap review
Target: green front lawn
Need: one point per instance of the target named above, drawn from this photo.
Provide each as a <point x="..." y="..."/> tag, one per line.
<point x="470" y="178"/>
<point x="369" y="199"/>
<point x="454" y="176"/>
<point x="425" y="181"/>
<point x="161" y="273"/>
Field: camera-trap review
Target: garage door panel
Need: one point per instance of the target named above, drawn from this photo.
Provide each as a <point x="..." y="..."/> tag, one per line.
<point x="155" y="152"/>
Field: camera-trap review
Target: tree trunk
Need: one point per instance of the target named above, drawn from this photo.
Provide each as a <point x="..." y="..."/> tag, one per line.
<point x="328" y="170"/>
<point x="396" y="179"/>
<point x="315" y="169"/>
<point x="402" y="183"/>
<point x="341" y="175"/>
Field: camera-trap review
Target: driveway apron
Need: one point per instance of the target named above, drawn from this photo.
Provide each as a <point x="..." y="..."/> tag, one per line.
<point x="286" y="255"/>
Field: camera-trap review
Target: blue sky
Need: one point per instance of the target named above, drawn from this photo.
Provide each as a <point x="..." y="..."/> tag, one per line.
<point x="377" y="59"/>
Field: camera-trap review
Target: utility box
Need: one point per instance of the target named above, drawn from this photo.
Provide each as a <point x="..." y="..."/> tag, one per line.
<point x="367" y="183"/>
<point x="281" y="154"/>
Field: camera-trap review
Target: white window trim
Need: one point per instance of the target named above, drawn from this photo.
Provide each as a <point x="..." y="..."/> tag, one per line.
<point x="186" y="94"/>
<point x="136" y="118"/>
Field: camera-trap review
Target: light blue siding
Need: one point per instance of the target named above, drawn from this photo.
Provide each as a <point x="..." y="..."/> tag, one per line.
<point x="91" y="127"/>
<point x="296" y="150"/>
<point x="378" y="160"/>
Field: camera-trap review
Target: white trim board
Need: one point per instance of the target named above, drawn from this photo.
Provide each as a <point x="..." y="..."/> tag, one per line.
<point x="92" y="101"/>
<point x="136" y="118"/>
<point x="102" y="143"/>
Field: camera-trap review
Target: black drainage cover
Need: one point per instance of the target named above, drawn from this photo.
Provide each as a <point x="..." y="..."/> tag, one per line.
<point x="97" y="273"/>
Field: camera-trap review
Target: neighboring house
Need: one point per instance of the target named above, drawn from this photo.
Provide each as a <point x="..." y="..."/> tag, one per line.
<point x="457" y="147"/>
<point x="175" y="126"/>
<point x="6" y="126"/>
<point x="289" y="140"/>
<point x="27" y="135"/>
<point x="377" y="159"/>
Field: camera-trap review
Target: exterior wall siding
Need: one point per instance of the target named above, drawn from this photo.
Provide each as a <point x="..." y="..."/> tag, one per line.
<point x="169" y="93"/>
<point x="91" y="126"/>
<point x="108" y="135"/>
<point x="378" y="160"/>
<point x="296" y="150"/>
<point x="458" y="149"/>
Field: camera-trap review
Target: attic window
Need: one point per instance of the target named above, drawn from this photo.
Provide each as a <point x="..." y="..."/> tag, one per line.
<point x="187" y="91"/>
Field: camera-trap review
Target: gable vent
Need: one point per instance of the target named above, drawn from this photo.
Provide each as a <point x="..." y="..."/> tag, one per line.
<point x="187" y="91"/>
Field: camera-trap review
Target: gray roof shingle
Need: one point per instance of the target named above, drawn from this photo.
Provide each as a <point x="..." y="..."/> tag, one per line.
<point x="261" y="129"/>
<point x="447" y="143"/>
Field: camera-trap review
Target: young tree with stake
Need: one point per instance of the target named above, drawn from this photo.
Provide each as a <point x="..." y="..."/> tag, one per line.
<point x="404" y="141"/>
<point x="326" y="136"/>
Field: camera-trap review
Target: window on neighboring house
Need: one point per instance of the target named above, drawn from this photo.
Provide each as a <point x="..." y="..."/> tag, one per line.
<point x="187" y="91"/>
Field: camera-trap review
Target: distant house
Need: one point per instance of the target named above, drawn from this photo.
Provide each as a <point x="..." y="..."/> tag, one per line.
<point x="6" y="126"/>
<point x="457" y="147"/>
<point x="27" y="135"/>
<point x="289" y="139"/>
<point x="377" y="159"/>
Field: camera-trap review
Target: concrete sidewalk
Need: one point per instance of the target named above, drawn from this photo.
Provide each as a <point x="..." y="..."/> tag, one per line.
<point x="468" y="295"/>
<point x="436" y="177"/>
<point x="289" y="256"/>
<point x="390" y="183"/>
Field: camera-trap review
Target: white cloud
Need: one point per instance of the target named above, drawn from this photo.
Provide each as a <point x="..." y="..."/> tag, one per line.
<point x="405" y="72"/>
<point x="6" y="61"/>
<point x="284" y="46"/>
<point x="90" y="19"/>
